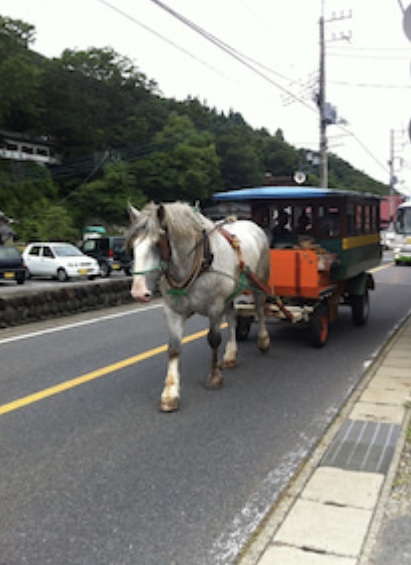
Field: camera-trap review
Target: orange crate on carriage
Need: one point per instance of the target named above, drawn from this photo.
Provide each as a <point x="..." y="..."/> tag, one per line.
<point x="300" y="272"/>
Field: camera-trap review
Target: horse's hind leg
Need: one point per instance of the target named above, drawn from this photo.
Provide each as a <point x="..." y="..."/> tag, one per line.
<point x="215" y="378"/>
<point x="263" y="335"/>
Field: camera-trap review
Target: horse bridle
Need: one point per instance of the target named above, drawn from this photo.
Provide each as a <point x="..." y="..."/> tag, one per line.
<point x="203" y="259"/>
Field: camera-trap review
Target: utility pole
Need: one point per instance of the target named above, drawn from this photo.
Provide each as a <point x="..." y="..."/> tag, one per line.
<point x="328" y="114"/>
<point x="395" y="139"/>
<point x="392" y="179"/>
<point x="321" y="107"/>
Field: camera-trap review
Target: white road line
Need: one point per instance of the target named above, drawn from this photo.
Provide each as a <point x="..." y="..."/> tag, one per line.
<point x="65" y="327"/>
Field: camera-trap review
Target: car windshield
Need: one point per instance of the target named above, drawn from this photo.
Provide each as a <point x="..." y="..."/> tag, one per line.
<point x="8" y="253"/>
<point x="66" y="251"/>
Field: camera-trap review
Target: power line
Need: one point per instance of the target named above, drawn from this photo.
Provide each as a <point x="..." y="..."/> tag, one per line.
<point x="159" y="35"/>
<point x="231" y="51"/>
<point x="371" y="85"/>
<point x="242" y="59"/>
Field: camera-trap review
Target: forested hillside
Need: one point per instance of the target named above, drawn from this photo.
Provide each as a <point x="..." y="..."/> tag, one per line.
<point x="118" y="139"/>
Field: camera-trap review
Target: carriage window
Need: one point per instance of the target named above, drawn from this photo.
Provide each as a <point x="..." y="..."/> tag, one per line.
<point x="350" y="219"/>
<point x="367" y="219"/>
<point x="329" y="221"/>
<point x="281" y="228"/>
<point x="359" y="219"/>
<point x="261" y="216"/>
<point x="302" y="220"/>
<point x="374" y="218"/>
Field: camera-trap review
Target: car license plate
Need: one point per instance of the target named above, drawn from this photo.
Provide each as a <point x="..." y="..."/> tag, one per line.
<point x="115" y="266"/>
<point x="82" y="271"/>
<point x="9" y="275"/>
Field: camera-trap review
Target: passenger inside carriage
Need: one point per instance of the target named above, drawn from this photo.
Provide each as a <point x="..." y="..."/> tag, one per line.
<point x="303" y="224"/>
<point x="281" y="228"/>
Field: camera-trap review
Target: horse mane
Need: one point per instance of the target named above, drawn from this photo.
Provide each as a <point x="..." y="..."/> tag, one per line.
<point x="147" y="221"/>
<point x="180" y="219"/>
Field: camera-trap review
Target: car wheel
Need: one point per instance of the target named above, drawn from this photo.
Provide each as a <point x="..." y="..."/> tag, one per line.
<point x="104" y="270"/>
<point x="20" y="280"/>
<point x="62" y="275"/>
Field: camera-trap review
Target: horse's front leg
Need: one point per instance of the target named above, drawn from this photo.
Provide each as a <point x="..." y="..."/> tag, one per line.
<point x="215" y="378"/>
<point x="230" y="354"/>
<point x="170" y="397"/>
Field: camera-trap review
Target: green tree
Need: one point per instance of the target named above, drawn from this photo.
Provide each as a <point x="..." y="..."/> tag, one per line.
<point x="185" y="167"/>
<point x="97" y="100"/>
<point x="47" y="222"/>
<point x="278" y="157"/>
<point x="240" y="164"/>
<point x="105" y="199"/>
<point x="21" y="105"/>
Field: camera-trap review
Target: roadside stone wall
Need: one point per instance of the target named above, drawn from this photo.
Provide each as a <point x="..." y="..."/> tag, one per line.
<point x="33" y="306"/>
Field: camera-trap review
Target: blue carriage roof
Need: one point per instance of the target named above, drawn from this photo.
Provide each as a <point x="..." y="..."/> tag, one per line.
<point x="287" y="193"/>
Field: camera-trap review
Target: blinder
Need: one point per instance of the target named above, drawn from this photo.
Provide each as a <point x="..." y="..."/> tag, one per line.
<point x="164" y="246"/>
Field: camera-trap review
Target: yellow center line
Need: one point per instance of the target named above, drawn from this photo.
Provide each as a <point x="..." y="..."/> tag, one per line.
<point x="381" y="267"/>
<point x="77" y="381"/>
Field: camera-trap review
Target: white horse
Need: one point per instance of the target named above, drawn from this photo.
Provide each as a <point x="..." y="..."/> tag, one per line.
<point x="200" y="268"/>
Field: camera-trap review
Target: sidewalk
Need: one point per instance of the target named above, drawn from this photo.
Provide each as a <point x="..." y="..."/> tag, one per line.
<point x="334" y="511"/>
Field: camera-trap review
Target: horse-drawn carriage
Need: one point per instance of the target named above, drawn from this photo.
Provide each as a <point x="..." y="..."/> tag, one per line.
<point x="323" y="242"/>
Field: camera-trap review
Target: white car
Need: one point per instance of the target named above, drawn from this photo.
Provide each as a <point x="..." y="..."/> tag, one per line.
<point x="59" y="260"/>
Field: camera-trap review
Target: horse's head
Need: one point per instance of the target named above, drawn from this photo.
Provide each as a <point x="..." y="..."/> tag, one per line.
<point x="147" y="242"/>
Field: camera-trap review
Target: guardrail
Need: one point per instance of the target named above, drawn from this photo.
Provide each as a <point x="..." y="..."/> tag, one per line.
<point x="26" y="307"/>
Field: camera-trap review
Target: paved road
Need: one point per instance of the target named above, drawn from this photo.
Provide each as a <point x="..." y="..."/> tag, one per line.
<point x="93" y="473"/>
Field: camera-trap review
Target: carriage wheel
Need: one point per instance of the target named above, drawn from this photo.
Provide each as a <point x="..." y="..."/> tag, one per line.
<point x="360" y="308"/>
<point x="243" y="327"/>
<point x="319" y="325"/>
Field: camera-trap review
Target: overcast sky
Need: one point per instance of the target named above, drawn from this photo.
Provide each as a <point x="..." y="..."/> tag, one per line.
<point x="271" y="78"/>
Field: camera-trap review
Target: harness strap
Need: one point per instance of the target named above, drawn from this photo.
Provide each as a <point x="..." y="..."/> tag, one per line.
<point x="235" y="244"/>
<point x="247" y="274"/>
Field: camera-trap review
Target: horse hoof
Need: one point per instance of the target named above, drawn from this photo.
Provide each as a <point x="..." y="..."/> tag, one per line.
<point x="170" y="405"/>
<point x="215" y="381"/>
<point x="229" y="363"/>
<point x="264" y="344"/>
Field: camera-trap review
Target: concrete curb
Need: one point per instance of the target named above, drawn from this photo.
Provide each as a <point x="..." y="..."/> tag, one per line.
<point x="331" y="512"/>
